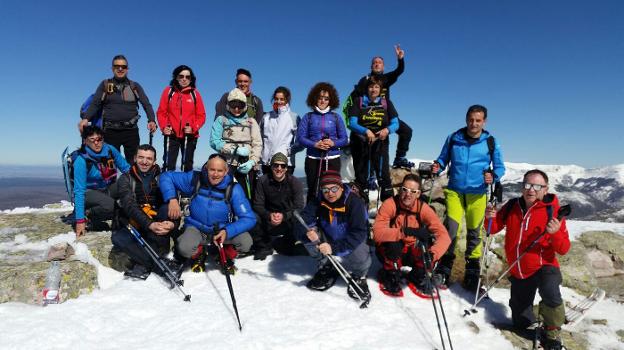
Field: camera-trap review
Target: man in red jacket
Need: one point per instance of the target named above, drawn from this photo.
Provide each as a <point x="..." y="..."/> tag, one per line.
<point x="525" y="218"/>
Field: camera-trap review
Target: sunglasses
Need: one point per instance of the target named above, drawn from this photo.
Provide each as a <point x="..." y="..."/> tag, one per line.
<point x="332" y="189"/>
<point x="237" y="104"/>
<point x="120" y="66"/>
<point x="182" y="76"/>
<point x="527" y="186"/>
<point x="95" y="140"/>
<point x="279" y="165"/>
<point x="406" y="190"/>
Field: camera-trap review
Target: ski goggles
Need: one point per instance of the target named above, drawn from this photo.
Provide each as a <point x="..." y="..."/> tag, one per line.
<point x="527" y="186"/>
<point x="237" y="104"/>
<point x="332" y="189"/>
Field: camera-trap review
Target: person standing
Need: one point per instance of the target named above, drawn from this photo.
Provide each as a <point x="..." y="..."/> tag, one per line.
<point x="243" y="81"/>
<point x="525" y="219"/>
<point x="118" y="99"/>
<point x="181" y="114"/>
<point x="475" y="161"/>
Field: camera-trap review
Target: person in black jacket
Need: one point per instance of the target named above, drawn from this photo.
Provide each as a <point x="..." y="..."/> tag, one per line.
<point x="278" y="195"/>
<point x="118" y="99"/>
<point x="387" y="79"/>
<point x="142" y="206"/>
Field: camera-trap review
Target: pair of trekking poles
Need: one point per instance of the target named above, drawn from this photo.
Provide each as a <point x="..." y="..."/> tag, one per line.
<point x="166" y="141"/>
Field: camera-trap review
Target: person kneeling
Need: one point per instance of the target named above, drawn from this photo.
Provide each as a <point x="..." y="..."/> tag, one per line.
<point x="143" y="207"/>
<point x="341" y="230"/>
<point x="403" y="225"/>
<point x="219" y="212"/>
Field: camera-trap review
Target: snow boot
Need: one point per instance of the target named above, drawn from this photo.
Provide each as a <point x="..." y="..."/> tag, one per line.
<point x="324" y="278"/>
<point x="354" y="292"/>
<point x="402" y="162"/>
<point x="138" y="272"/>
<point x="471" y="275"/>
<point x="390" y="282"/>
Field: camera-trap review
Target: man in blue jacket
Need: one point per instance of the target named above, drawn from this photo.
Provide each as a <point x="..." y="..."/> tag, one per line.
<point x="341" y="230"/>
<point x="95" y="173"/>
<point x="475" y="162"/>
<point x="212" y="214"/>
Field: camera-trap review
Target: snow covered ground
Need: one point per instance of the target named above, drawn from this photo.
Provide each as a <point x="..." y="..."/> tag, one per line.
<point x="276" y="309"/>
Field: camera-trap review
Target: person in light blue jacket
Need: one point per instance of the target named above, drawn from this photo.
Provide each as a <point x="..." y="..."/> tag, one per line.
<point x="95" y="167"/>
<point x="475" y="162"/>
<point x="219" y="210"/>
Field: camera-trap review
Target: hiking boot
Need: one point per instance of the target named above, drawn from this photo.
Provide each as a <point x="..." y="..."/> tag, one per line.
<point x="551" y="344"/>
<point x="390" y="281"/>
<point x="262" y="252"/>
<point x="138" y="272"/>
<point x="420" y="284"/>
<point x="354" y="292"/>
<point x="471" y="275"/>
<point x="324" y="278"/>
<point x="402" y="162"/>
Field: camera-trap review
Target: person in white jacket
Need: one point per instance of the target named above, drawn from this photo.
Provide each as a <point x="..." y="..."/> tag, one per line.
<point x="278" y="128"/>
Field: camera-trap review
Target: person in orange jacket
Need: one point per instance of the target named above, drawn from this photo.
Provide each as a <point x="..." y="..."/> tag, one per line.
<point x="525" y="219"/>
<point x="180" y="115"/>
<point x="402" y="223"/>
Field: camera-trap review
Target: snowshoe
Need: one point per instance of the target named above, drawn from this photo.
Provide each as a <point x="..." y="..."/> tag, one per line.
<point x="402" y="162"/>
<point x="323" y="279"/>
<point x="441" y="280"/>
<point x="137" y="272"/>
<point x="421" y="286"/>
<point x="390" y="282"/>
<point x="229" y="267"/>
<point x="354" y="292"/>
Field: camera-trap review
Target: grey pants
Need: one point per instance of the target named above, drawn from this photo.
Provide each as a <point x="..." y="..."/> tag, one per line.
<point x="101" y="204"/>
<point x="357" y="263"/>
<point x="188" y="242"/>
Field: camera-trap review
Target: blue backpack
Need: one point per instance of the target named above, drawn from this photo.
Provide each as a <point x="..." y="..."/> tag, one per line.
<point x="97" y="120"/>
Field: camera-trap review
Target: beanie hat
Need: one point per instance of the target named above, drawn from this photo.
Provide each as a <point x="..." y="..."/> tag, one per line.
<point x="330" y="177"/>
<point x="237" y="95"/>
<point x="279" y="157"/>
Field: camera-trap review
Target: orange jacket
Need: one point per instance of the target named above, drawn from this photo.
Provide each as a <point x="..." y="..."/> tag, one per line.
<point x="389" y="225"/>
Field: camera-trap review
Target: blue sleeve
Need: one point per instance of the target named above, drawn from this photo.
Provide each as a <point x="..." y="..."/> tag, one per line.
<point x="497" y="160"/>
<point x="355" y="126"/>
<point x="342" y="139"/>
<point x="302" y="132"/>
<point x="120" y="161"/>
<point x="216" y="141"/>
<point x="394" y="125"/>
<point x="443" y="157"/>
<point x="170" y="182"/>
<point x="246" y="219"/>
<point x="80" y="187"/>
<point x="309" y="216"/>
<point x="357" y="229"/>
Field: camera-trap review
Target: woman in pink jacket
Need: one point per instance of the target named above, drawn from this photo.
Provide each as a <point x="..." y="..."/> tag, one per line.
<point x="180" y="115"/>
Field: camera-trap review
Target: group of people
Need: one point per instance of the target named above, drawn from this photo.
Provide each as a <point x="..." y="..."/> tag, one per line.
<point x="228" y="202"/>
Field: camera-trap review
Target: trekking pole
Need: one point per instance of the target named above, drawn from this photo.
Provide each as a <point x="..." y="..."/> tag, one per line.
<point x="346" y="276"/>
<point x="563" y="212"/>
<point x="184" y="144"/>
<point x="429" y="273"/>
<point x="223" y="262"/>
<point x="248" y="185"/>
<point x="151" y="137"/>
<point x="318" y="173"/>
<point x="166" y="150"/>
<point x="380" y="171"/>
<point x="174" y="281"/>
<point x="372" y="180"/>
<point x="485" y="261"/>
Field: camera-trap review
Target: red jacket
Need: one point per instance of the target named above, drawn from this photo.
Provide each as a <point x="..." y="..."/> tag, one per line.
<point x="181" y="109"/>
<point x="524" y="229"/>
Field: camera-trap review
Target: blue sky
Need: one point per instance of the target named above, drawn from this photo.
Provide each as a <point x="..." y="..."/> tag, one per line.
<point x="548" y="71"/>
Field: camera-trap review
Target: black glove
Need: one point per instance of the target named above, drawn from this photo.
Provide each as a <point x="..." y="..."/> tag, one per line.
<point x="422" y="233"/>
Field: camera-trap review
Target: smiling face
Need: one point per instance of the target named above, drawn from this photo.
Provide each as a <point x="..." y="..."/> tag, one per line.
<point x="279" y="170"/>
<point x="184" y="78"/>
<point x="374" y="90"/>
<point x="144" y="160"/>
<point x="377" y="65"/>
<point x="243" y="82"/>
<point x="410" y="191"/>
<point x="120" y="68"/>
<point x="217" y="169"/>
<point x="332" y="192"/>
<point x="532" y="194"/>
<point x="279" y="99"/>
<point x="475" y="124"/>
<point x="322" y="101"/>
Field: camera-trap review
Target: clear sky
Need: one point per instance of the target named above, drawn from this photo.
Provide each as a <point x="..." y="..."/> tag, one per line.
<point x="548" y="71"/>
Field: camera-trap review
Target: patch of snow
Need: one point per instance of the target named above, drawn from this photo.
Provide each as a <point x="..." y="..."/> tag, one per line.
<point x="62" y="206"/>
<point x="576" y="228"/>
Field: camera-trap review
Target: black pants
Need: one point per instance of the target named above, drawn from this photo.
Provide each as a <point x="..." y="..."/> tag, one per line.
<point x="314" y="167"/>
<point x="367" y="160"/>
<point x="247" y="181"/>
<point x="175" y="147"/>
<point x="100" y="204"/>
<point x="128" y="138"/>
<point x="405" y="137"/>
<point x="546" y="280"/>
<point x="279" y="237"/>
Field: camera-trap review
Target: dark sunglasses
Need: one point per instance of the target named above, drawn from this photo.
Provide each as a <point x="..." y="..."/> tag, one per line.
<point x="237" y="104"/>
<point x="120" y="66"/>
<point x="333" y="189"/>
<point x="279" y="165"/>
<point x="182" y="76"/>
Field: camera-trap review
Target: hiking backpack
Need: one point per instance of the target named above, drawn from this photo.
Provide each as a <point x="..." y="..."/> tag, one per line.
<point x="109" y="88"/>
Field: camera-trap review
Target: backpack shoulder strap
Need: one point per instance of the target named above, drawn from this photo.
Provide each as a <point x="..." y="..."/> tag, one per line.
<point x="194" y="98"/>
<point x="196" y="182"/>
<point x="507" y="208"/>
<point x="133" y="86"/>
<point x="170" y="95"/>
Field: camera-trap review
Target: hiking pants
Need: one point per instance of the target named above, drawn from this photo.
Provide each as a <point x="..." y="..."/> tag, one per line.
<point x="546" y="280"/>
<point x="357" y="262"/>
<point x="187" y="243"/>
<point x="367" y="160"/>
<point x="128" y="138"/>
<point x="473" y="206"/>
<point x="175" y="147"/>
<point x="405" y="137"/>
<point x="312" y="167"/>
<point x="101" y="203"/>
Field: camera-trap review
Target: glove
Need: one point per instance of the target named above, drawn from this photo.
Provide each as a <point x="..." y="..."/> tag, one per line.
<point x="242" y="151"/>
<point x="422" y="234"/>
<point x="245" y="167"/>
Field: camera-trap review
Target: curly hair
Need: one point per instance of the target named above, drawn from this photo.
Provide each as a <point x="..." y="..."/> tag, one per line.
<point x="313" y="95"/>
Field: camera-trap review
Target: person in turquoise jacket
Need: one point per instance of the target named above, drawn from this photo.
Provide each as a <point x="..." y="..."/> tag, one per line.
<point x="95" y="174"/>
<point x="475" y="161"/>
